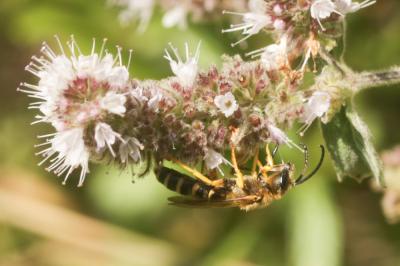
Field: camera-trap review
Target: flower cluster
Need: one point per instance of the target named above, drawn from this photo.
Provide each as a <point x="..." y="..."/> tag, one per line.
<point x="299" y="28"/>
<point x="77" y="93"/>
<point x="101" y="114"/>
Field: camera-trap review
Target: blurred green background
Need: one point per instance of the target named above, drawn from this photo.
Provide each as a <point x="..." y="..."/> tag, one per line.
<point x="111" y="221"/>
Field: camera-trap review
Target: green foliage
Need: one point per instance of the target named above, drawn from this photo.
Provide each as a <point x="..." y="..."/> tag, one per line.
<point x="349" y="143"/>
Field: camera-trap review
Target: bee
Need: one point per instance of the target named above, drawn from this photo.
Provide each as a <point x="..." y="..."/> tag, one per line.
<point x="248" y="192"/>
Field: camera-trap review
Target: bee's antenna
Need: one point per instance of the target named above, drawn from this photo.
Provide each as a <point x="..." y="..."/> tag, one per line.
<point x="306" y="160"/>
<point x="301" y="179"/>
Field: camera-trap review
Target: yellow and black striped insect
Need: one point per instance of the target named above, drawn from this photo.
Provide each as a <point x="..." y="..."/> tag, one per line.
<point x="257" y="190"/>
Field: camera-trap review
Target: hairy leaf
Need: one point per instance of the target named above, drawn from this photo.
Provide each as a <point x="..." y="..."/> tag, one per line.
<point x="350" y="146"/>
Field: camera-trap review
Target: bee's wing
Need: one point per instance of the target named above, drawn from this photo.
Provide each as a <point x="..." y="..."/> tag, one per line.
<point x="190" y="202"/>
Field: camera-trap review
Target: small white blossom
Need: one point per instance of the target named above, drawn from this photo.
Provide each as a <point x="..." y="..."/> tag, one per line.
<point x="347" y="6"/>
<point x="322" y="9"/>
<point x="67" y="152"/>
<point x="138" y="94"/>
<point x="85" y="65"/>
<point x="214" y="159"/>
<point x="279" y="137"/>
<point x="226" y="103"/>
<point x="155" y="100"/>
<point x="253" y="21"/>
<point x="316" y="106"/>
<point x="279" y="24"/>
<point x="130" y="149"/>
<point x="118" y="77"/>
<point x="186" y="71"/>
<point x="105" y="135"/>
<point x="277" y="9"/>
<point x="114" y="103"/>
<point x="141" y="10"/>
<point x="274" y="56"/>
<point x="177" y="16"/>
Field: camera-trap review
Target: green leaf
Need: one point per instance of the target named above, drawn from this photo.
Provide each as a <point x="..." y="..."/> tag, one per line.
<point x="349" y="144"/>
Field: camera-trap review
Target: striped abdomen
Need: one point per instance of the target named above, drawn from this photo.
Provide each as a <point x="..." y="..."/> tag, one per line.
<point x="186" y="185"/>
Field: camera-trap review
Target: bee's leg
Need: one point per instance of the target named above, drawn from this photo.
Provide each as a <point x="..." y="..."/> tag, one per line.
<point x="254" y="166"/>
<point x="239" y="175"/>
<point x="200" y="176"/>
<point x="262" y="169"/>
<point x="269" y="162"/>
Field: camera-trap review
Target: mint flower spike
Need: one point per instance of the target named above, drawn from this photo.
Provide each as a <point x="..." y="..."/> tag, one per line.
<point x="74" y="91"/>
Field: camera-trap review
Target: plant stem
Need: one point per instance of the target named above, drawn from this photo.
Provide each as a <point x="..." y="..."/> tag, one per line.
<point x="366" y="80"/>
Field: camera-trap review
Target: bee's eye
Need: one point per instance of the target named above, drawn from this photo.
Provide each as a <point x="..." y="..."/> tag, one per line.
<point x="285" y="180"/>
<point x="282" y="182"/>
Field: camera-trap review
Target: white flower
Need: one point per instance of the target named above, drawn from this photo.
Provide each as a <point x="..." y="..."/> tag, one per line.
<point x="55" y="77"/>
<point x="154" y="101"/>
<point x="186" y="71"/>
<point x="279" y="24"/>
<point x="74" y="90"/>
<point x="104" y="135"/>
<point x="274" y="56"/>
<point x="141" y="10"/>
<point x="138" y="94"/>
<point x="85" y="65"/>
<point x="130" y="149"/>
<point x="279" y="137"/>
<point x="226" y="103"/>
<point x="103" y="67"/>
<point x="85" y="78"/>
<point x="118" y="77"/>
<point x="177" y="16"/>
<point x="317" y="105"/>
<point x="114" y="103"/>
<point x="277" y="9"/>
<point x="253" y="21"/>
<point x="322" y="9"/>
<point x="347" y="6"/>
<point x="68" y="152"/>
<point x="214" y="159"/>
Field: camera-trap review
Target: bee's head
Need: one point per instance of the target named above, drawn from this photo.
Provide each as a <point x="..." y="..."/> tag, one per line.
<point x="282" y="182"/>
<point x="282" y="179"/>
